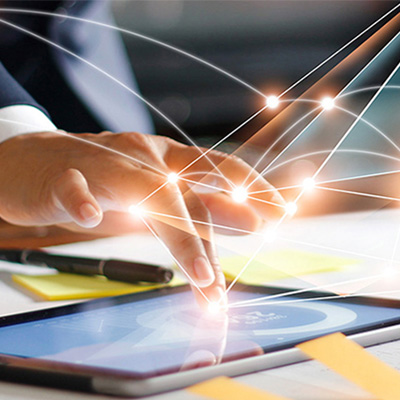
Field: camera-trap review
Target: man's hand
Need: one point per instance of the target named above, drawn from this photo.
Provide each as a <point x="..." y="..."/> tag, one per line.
<point x="85" y="181"/>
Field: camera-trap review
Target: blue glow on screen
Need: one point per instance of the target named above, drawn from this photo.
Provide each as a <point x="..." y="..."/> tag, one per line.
<point x="165" y="332"/>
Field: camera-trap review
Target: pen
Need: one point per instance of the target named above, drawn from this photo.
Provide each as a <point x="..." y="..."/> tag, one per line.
<point x="125" y="271"/>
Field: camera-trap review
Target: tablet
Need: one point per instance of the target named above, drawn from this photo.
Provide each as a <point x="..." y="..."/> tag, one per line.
<point x="156" y="341"/>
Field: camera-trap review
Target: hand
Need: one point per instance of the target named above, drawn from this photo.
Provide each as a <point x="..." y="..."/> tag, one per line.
<point x="85" y="181"/>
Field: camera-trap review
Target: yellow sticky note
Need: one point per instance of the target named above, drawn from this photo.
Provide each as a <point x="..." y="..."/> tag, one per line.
<point x="274" y="265"/>
<point x="357" y="365"/>
<point x="70" y="286"/>
<point x="223" y="388"/>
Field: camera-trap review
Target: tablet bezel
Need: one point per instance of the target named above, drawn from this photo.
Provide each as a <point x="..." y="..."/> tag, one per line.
<point x="114" y="381"/>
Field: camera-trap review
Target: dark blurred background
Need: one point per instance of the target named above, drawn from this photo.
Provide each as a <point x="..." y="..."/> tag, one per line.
<point x="269" y="44"/>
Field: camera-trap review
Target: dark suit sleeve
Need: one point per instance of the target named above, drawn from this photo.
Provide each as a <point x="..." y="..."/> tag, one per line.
<point x="11" y="93"/>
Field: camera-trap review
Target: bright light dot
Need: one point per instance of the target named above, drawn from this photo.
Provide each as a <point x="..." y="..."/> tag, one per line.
<point x="309" y="184"/>
<point x="269" y="235"/>
<point x="272" y="101"/>
<point x="291" y="208"/>
<point x="239" y="194"/>
<point x="328" y="103"/>
<point x="135" y="210"/>
<point x="214" y="308"/>
<point x="173" y="177"/>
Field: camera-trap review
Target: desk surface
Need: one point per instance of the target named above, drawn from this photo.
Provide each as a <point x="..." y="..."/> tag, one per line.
<point x="369" y="236"/>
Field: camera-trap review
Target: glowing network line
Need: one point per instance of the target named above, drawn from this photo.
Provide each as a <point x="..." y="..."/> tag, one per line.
<point x="150" y="105"/>
<point x="319" y="152"/>
<point x="365" y="109"/>
<point x="373" y="278"/>
<point x="248" y="262"/>
<point x="192" y="56"/>
<point x="206" y="185"/>
<point x="315" y="175"/>
<point x="309" y="183"/>
<point x="196" y="221"/>
<point x="340" y="49"/>
<point x="268" y="169"/>
<point x="223" y="139"/>
<point x="327" y="104"/>
<point x="334" y="297"/>
<point x="138" y="35"/>
<point x="185" y="53"/>
<point x="334" y="249"/>
<point x="375" y="196"/>
<point x="183" y="270"/>
<point x="203" y="154"/>
<point x="275" y="142"/>
<point x="386" y="137"/>
<point x="372" y="175"/>
<point x="369" y="88"/>
<point x="61" y="133"/>
<point x="341" y="92"/>
<point x="269" y="236"/>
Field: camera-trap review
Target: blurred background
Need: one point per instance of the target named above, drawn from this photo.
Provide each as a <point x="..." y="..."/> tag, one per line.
<point x="269" y="44"/>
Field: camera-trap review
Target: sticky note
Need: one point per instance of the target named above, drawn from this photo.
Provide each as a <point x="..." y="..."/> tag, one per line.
<point x="223" y="388"/>
<point x="354" y="363"/>
<point x="70" y="286"/>
<point x="280" y="264"/>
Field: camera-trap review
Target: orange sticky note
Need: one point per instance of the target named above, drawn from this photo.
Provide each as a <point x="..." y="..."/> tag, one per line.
<point x="223" y="388"/>
<point x="352" y="361"/>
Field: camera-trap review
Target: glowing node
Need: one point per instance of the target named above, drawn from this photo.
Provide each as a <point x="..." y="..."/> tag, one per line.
<point x="214" y="308"/>
<point x="328" y="103"/>
<point x="308" y="184"/>
<point x="291" y="208"/>
<point x="239" y="194"/>
<point x="269" y="236"/>
<point x="272" y="101"/>
<point x="135" y="210"/>
<point x="173" y="177"/>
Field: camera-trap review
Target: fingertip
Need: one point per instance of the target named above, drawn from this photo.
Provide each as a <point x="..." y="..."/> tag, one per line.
<point x="203" y="271"/>
<point x="218" y="296"/>
<point x="90" y="215"/>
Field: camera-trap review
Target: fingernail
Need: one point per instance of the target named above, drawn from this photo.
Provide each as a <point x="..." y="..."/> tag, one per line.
<point x="218" y="295"/>
<point x="88" y="212"/>
<point x="204" y="272"/>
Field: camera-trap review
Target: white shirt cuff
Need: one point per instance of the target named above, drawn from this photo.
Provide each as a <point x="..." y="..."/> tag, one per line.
<point x="20" y="119"/>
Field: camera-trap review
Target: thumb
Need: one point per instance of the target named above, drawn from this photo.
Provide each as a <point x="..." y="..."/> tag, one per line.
<point x="72" y="194"/>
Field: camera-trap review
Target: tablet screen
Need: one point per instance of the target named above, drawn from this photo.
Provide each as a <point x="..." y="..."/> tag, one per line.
<point x="153" y="335"/>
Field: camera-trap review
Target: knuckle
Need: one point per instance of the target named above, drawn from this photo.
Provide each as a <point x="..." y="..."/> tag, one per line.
<point x="65" y="176"/>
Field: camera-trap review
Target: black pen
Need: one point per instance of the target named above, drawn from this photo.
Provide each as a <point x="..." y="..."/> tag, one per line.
<point x="118" y="270"/>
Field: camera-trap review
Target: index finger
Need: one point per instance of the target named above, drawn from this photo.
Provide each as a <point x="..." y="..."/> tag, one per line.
<point x="268" y="202"/>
